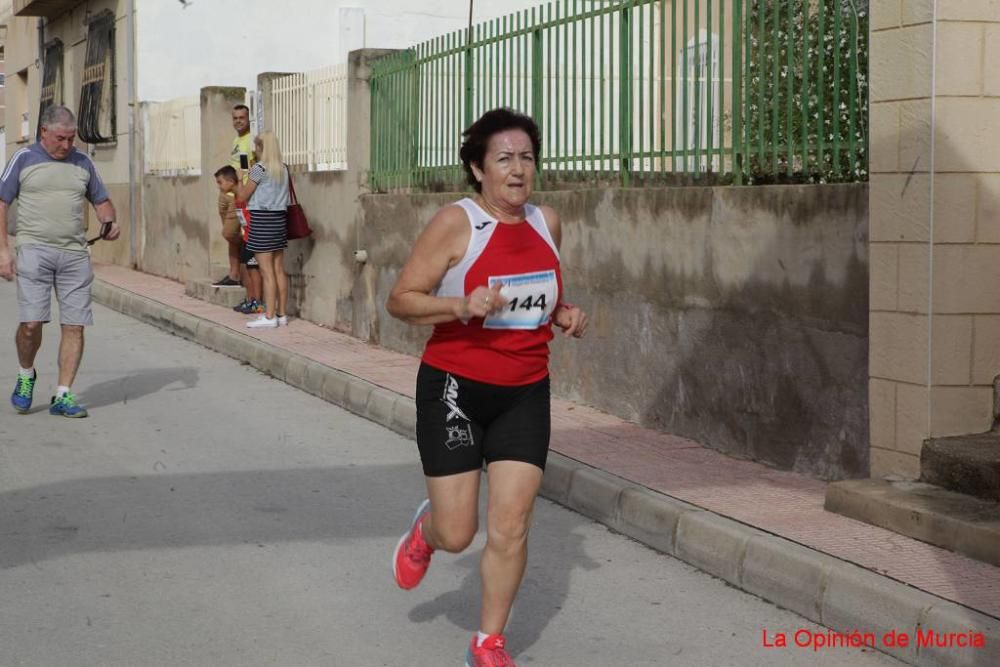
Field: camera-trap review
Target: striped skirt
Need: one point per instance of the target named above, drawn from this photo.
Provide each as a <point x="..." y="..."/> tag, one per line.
<point x="268" y="231"/>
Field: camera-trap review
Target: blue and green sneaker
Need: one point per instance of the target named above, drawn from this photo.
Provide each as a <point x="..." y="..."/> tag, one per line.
<point x="23" y="391"/>
<point x="67" y="406"/>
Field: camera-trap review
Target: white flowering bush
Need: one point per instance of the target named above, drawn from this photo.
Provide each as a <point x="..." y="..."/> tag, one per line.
<point x="798" y="106"/>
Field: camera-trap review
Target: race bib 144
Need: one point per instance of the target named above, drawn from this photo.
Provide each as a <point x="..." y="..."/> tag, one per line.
<point x="531" y="298"/>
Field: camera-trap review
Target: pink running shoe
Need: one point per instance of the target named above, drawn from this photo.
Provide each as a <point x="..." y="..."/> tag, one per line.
<point x="412" y="556"/>
<point x="490" y="654"/>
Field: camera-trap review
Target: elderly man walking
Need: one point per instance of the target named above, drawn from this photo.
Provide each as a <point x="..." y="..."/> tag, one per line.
<point x="50" y="181"/>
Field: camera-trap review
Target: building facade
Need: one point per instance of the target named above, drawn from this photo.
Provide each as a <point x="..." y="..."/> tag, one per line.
<point x="103" y="57"/>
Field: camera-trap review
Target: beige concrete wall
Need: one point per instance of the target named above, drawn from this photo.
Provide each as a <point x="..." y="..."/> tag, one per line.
<point x="21" y="53"/>
<point x="179" y="216"/>
<point x="321" y="269"/>
<point x="181" y="231"/>
<point x="182" y="234"/>
<point x="322" y="273"/>
<point x="734" y="316"/>
<point x="935" y="200"/>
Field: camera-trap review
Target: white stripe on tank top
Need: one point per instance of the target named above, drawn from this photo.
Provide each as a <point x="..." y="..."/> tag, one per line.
<point x="482" y="226"/>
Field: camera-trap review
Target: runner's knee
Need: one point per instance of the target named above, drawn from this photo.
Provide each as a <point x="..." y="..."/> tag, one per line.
<point x="452" y="538"/>
<point x="506" y="528"/>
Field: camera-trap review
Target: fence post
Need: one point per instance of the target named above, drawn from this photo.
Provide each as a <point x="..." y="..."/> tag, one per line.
<point x="469" y="69"/>
<point x="537" y="92"/>
<point x="414" y="124"/>
<point x="625" y="94"/>
<point x="310" y="120"/>
<point x="265" y="87"/>
<point x="739" y="165"/>
<point x="366" y="118"/>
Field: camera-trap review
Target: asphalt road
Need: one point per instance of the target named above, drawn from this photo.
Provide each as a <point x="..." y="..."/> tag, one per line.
<point x="205" y="514"/>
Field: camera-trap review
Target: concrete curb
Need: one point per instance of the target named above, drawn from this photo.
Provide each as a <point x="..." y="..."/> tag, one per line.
<point x="823" y="589"/>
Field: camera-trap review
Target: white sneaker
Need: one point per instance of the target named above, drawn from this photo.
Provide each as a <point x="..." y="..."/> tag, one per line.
<point x="263" y="322"/>
<point x="282" y="320"/>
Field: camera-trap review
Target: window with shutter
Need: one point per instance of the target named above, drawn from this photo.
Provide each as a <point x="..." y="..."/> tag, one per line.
<point x="96" y="116"/>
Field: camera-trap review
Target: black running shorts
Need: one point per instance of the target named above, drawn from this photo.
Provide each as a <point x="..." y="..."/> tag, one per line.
<point x="461" y="423"/>
<point x="247" y="257"/>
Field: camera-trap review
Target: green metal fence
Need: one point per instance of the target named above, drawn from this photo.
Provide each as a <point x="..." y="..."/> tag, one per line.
<point x="637" y="91"/>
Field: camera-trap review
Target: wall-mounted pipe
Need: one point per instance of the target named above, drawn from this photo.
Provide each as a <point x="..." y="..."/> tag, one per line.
<point x="133" y="253"/>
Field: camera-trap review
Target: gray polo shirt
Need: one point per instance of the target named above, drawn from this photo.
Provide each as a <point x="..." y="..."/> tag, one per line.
<point x="51" y="196"/>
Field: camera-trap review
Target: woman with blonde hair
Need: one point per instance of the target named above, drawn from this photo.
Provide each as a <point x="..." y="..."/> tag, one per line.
<point x="266" y="195"/>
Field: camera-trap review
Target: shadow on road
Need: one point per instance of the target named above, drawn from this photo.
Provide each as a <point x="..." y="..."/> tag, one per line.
<point x="169" y="511"/>
<point x="265" y="507"/>
<point x="138" y="383"/>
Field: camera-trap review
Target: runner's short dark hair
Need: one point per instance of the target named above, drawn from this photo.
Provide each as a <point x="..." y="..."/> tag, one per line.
<point x="242" y="107"/>
<point x="477" y="138"/>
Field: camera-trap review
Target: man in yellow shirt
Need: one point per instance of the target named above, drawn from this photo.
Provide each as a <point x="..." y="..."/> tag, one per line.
<point x="243" y="143"/>
<point x="241" y="159"/>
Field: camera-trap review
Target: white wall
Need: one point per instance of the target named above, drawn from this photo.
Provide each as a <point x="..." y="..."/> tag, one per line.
<point x="228" y="42"/>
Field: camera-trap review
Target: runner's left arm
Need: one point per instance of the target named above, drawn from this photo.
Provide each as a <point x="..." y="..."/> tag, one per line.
<point x="571" y="319"/>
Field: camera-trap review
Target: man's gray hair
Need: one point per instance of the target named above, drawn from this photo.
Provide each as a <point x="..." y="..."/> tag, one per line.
<point x="57" y="116"/>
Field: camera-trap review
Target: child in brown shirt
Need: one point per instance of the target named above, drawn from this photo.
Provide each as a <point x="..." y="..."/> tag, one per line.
<point x="232" y="230"/>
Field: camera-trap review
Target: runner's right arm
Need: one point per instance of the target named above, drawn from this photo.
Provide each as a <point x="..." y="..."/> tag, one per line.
<point x="439" y="247"/>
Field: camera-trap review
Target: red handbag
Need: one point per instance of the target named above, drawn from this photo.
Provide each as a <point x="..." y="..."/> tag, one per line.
<point x="298" y="226"/>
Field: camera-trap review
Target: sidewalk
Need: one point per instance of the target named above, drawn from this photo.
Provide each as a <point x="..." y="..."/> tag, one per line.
<point x="761" y="529"/>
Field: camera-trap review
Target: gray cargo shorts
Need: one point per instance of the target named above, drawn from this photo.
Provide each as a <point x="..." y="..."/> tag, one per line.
<point x="39" y="269"/>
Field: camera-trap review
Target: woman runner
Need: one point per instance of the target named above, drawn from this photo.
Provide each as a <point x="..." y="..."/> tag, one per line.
<point x="485" y="272"/>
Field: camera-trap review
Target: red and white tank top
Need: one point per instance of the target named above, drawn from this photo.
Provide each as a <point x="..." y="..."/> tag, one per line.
<point x="510" y="347"/>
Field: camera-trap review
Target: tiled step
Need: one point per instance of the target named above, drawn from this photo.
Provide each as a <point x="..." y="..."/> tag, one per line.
<point x="220" y="296"/>
<point x="925" y="512"/>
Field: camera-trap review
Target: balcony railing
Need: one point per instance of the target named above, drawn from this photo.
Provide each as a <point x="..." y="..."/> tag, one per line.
<point x="47" y="8"/>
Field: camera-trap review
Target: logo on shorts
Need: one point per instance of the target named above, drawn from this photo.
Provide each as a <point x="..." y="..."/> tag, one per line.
<point x="461" y="435"/>
<point x="450" y="399"/>
<point x="458" y="436"/>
